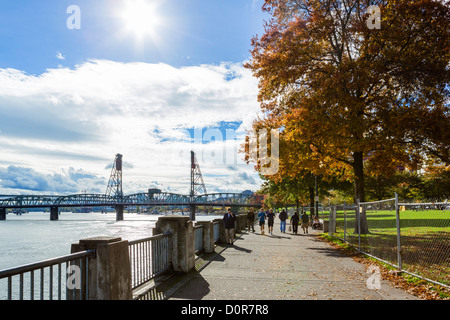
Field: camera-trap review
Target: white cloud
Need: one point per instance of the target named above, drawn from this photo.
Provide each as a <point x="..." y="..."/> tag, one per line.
<point x="15" y="179"/>
<point x="59" y="56"/>
<point x="82" y="117"/>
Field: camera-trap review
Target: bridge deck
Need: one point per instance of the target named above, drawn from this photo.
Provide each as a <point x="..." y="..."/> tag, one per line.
<point x="141" y="199"/>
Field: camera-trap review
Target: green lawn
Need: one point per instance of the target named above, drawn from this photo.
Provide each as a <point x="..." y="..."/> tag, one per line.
<point x="425" y="239"/>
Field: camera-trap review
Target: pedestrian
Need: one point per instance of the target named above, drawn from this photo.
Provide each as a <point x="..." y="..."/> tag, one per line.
<point x="294" y="221"/>
<point x="251" y="220"/>
<point x="270" y="220"/>
<point x="305" y="222"/>
<point x="262" y="220"/>
<point x="316" y="223"/>
<point x="229" y="219"/>
<point x="283" y="217"/>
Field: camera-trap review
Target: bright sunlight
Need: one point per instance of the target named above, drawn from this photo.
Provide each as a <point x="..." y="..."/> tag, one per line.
<point x="140" y="17"/>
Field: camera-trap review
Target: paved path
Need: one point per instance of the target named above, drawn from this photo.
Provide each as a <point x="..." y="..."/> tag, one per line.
<point x="281" y="266"/>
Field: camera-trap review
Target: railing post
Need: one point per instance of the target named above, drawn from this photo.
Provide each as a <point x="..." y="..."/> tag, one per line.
<point x="208" y="236"/>
<point x="2" y="214"/>
<point x="183" y="245"/>
<point x="109" y="273"/>
<point x="399" y="247"/>
<point x="243" y="220"/>
<point x="222" y="233"/>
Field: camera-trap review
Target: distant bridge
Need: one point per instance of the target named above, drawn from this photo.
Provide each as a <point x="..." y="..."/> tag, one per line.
<point x="139" y="199"/>
<point x="115" y="198"/>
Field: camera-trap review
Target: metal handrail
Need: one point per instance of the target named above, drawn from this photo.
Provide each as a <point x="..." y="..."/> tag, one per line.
<point x="41" y="265"/>
<point x="45" y="263"/>
<point x="149" y="257"/>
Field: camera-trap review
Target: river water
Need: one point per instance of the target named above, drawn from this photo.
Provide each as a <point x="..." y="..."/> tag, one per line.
<point x="33" y="237"/>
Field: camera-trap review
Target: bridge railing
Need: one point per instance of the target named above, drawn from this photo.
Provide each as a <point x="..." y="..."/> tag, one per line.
<point x="149" y="257"/>
<point x="63" y="278"/>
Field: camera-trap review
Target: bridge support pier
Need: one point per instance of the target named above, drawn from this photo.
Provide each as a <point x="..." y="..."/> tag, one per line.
<point x="119" y="213"/>
<point x="192" y="212"/>
<point x="54" y="213"/>
<point x="2" y="214"/>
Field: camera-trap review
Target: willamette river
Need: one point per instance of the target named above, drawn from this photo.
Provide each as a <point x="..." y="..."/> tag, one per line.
<point x="33" y="237"/>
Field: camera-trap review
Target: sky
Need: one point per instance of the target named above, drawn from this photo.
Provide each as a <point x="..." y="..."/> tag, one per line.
<point x="81" y="81"/>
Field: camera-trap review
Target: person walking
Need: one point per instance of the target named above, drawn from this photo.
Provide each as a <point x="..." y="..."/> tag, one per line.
<point x="305" y="222"/>
<point x="229" y="219"/>
<point x="283" y="217"/>
<point x="270" y="221"/>
<point x="262" y="220"/>
<point x="294" y="221"/>
<point x="251" y="220"/>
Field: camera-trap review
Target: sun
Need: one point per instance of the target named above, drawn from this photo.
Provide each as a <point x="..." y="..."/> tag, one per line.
<point x="140" y="17"/>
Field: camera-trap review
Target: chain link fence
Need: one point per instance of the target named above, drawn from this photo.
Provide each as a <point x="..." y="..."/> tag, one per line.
<point x="413" y="237"/>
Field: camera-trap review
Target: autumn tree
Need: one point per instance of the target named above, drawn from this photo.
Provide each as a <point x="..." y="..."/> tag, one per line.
<point x="292" y="190"/>
<point x="348" y="96"/>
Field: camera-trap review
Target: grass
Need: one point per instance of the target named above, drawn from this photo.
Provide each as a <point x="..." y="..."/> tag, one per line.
<point x="410" y="283"/>
<point x="425" y="239"/>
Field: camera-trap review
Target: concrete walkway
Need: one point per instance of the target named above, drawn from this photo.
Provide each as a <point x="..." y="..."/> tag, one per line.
<point x="281" y="266"/>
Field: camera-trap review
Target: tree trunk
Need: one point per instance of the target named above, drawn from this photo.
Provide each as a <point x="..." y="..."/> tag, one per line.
<point x="358" y="167"/>
<point x="311" y="200"/>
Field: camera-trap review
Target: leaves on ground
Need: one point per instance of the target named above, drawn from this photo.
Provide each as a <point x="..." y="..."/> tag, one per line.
<point x="417" y="287"/>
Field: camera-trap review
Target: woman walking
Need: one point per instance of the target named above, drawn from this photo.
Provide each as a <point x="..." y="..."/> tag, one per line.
<point x="305" y="222"/>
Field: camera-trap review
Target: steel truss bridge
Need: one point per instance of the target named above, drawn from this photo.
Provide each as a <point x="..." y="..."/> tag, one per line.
<point x="115" y="198"/>
<point x="139" y="199"/>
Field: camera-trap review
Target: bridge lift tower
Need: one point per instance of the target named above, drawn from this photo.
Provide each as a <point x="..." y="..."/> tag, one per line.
<point x="197" y="183"/>
<point x="114" y="188"/>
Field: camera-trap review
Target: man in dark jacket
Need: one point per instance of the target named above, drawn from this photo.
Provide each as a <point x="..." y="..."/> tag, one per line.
<point x="283" y="217"/>
<point x="229" y="219"/>
<point x="294" y="221"/>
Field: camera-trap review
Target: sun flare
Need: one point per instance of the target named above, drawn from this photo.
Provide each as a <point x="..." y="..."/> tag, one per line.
<point x="140" y="17"/>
